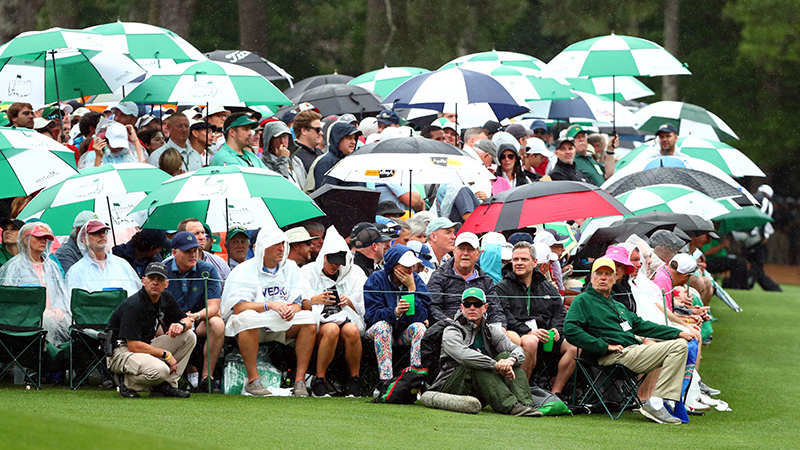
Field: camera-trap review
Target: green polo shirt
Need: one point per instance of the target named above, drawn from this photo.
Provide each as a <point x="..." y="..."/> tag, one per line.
<point x="591" y="168"/>
<point x="226" y="156"/>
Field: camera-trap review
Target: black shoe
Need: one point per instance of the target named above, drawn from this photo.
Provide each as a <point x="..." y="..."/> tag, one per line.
<point x="166" y="390"/>
<point x="203" y="386"/>
<point x="354" y="387"/>
<point x="562" y="397"/>
<point x="125" y="391"/>
<point x="319" y="388"/>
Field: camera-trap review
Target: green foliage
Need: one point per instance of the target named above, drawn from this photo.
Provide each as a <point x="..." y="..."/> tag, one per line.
<point x="769" y="35"/>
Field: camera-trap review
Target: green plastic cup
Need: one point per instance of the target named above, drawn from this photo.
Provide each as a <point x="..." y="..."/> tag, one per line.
<point x="411" y="305"/>
<point x="548" y="346"/>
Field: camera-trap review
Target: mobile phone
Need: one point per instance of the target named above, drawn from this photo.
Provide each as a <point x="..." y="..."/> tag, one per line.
<point x="335" y="294"/>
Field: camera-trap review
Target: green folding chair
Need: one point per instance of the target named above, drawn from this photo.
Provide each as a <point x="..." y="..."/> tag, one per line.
<point x="605" y="384"/>
<point x="91" y="312"/>
<point x="22" y="337"/>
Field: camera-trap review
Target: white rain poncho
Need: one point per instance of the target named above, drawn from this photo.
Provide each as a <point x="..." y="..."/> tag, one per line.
<point x="22" y="271"/>
<point x="93" y="275"/>
<point x="350" y="281"/>
<point x="248" y="282"/>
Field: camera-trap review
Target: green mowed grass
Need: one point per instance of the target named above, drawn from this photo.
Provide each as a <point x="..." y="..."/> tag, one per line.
<point x="753" y="360"/>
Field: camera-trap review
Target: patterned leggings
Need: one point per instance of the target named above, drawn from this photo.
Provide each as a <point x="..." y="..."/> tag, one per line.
<point x="381" y="334"/>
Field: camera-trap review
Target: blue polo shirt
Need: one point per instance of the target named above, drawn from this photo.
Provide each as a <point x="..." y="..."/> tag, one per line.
<point x="189" y="288"/>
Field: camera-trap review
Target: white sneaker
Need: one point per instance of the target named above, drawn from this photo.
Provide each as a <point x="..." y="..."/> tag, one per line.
<point x="659" y="415"/>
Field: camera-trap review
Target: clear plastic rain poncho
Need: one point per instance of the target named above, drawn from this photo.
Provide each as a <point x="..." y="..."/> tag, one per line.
<point x="93" y="275"/>
<point x="21" y="270"/>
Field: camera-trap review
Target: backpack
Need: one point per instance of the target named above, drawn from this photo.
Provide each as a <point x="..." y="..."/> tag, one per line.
<point x="547" y="402"/>
<point x="403" y="389"/>
<point x="430" y="349"/>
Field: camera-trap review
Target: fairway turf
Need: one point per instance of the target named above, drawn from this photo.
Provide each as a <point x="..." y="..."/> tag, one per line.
<point x="753" y="360"/>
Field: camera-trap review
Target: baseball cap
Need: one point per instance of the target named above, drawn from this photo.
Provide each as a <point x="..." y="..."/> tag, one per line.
<point x="487" y="146"/>
<point x="95" y="225"/>
<point x="128" y="108"/>
<point x="117" y="135"/>
<point x="211" y="110"/>
<point x="667" y="128"/>
<point x="288" y="116"/>
<point x="202" y="125"/>
<point x="389" y="207"/>
<point x="144" y="120"/>
<point x="82" y="218"/>
<point x="545" y="238"/>
<point x="80" y="112"/>
<point x="562" y="140"/>
<point x="337" y="258"/>
<point x="349" y="118"/>
<point x="558" y="238"/>
<point x="440" y="223"/>
<point x="467" y="238"/>
<point x="242" y="121"/>
<point x="518" y="130"/>
<point x="538" y="147"/>
<point x="422" y="251"/>
<point x="408" y="259"/>
<point x="492" y="126"/>
<point x="305" y="106"/>
<point x="604" y="262"/>
<point x="620" y="254"/>
<point x="538" y="125"/>
<point x="474" y="294"/>
<point x="388" y="117"/>
<point x="506" y="252"/>
<point x="299" y="234"/>
<point x="686" y="264"/>
<point x="493" y="237"/>
<point x="543" y="253"/>
<point x="157" y="268"/>
<point x="41" y="230"/>
<point x="16" y="222"/>
<point x="501" y="137"/>
<point x="234" y="231"/>
<point x="520" y="237"/>
<point x="40" y="123"/>
<point x="184" y="240"/>
<point x="365" y="234"/>
<point x="574" y="130"/>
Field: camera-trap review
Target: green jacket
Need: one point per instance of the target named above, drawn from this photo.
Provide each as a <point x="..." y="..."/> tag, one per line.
<point x="4" y="255"/>
<point x="591" y="168"/>
<point x="226" y="156"/>
<point x="593" y="323"/>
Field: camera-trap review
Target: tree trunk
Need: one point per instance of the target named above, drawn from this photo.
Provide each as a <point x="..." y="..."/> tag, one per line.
<point x="17" y="16"/>
<point x="176" y="15"/>
<point x="253" y="26"/>
<point x="671" y="31"/>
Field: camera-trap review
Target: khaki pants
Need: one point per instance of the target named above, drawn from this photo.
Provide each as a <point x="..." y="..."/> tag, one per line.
<point x="143" y="371"/>
<point x="669" y="355"/>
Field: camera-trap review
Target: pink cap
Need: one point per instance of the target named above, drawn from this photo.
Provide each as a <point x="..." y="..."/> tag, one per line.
<point x="618" y="253"/>
<point x="95" y="225"/>
<point x="41" y="230"/>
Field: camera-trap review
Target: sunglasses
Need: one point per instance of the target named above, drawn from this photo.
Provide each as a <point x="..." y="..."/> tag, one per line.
<point x="468" y="305"/>
<point x="507" y="156"/>
<point x="317" y="129"/>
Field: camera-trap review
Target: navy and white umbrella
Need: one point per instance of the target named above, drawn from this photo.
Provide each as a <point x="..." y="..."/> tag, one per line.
<point x="465" y="92"/>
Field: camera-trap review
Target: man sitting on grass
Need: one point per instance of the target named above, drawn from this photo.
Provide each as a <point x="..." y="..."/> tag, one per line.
<point x="479" y="359"/>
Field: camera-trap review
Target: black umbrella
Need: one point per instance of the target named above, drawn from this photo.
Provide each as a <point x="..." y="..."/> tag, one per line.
<point x="595" y="246"/>
<point x="689" y="223"/>
<point x="319" y="80"/>
<point x="267" y="69"/>
<point x="347" y="206"/>
<point x="338" y="99"/>
<point x="695" y="179"/>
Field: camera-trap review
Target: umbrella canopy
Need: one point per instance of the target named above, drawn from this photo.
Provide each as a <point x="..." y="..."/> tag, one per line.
<point x="227" y="196"/>
<point x="596" y="239"/>
<point x="457" y="90"/>
<point x="41" y="67"/>
<point x="152" y="47"/>
<point x="740" y="218"/>
<point x="692" y="224"/>
<point x="312" y="82"/>
<point x="563" y="228"/>
<point x="110" y="190"/>
<point x="538" y="203"/>
<point x="347" y="206"/>
<point x="584" y="107"/>
<point x="410" y="160"/>
<point x="206" y="82"/>
<point x="383" y="81"/>
<point x="671" y="198"/>
<point x="265" y="68"/>
<point x="528" y="84"/>
<point x="338" y="99"/>
<point x="619" y="89"/>
<point x="615" y="55"/>
<point x="475" y="60"/>
<point x="694" y="179"/>
<point x="688" y="119"/>
<point x="29" y="161"/>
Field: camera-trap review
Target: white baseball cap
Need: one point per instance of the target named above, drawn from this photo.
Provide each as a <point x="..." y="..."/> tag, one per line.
<point x="543" y="253"/>
<point x="211" y="110"/>
<point x="686" y="264"/>
<point x="408" y="259"/>
<point x="502" y="137"/>
<point x="493" y="237"/>
<point x="128" y="108"/>
<point x="467" y="238"/>
<point x="117" y="135"/>
<point x="537" y="147"/>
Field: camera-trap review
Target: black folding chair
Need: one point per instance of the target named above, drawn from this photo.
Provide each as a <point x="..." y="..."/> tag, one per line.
<point x="604" y="383"/>
<point x="22" y="337"/>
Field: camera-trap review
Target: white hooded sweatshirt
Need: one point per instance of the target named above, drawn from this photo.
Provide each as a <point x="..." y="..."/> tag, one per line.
<point x="249" y="282"/>
<point x="350" y="281"/>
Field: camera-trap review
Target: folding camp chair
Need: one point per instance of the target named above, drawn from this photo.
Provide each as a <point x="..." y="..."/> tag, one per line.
<point x="22" y="337"/>
<point x="91" y="312"/>
<point x="603" y="383"/>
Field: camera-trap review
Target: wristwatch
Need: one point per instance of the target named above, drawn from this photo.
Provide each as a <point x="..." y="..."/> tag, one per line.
<point x="183" y="323"/>
<point x="164" y="355"/>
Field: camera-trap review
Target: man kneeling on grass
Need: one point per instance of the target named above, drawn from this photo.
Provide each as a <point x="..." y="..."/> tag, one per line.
<point x="479" y="359"/>
<point x="604" y="328"/>
<point x="143" y="359"/>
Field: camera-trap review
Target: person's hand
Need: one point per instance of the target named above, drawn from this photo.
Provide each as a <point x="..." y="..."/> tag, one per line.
<point x="132" y="137"/>
<point x="58" y="314"/>
<point x="613" y="143"/>
<point x="481" y="195"/>
<point x="506" y="368"/>
<point x="700" y="310"/>
<point x="172" y="362"/>
<point x="286" y="311"/>
<point x="401" y="308"/>
<point x="345" y="301"/>
<point x="283" y="151"/>
<point x="542" y="334"/>
<point x="174" y="330"/>
<point x="406" y="279"/>
<point x="696" y="319"/>
<point x="687" y="336"/>
<point x="323" y="298"/>
<point x="616" y="348"/>
<point x="99" y="145"/>
<point x="556" y="336"/>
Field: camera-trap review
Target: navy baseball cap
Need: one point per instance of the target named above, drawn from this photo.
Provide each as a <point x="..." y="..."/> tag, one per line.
<point x="492" y="126"/>
<point x="667" y="128"/>
<point x="513" y="239"/>
<point x="539" y="125"/>
<point x="185" y="241"/>
<point x="388" y="117"/>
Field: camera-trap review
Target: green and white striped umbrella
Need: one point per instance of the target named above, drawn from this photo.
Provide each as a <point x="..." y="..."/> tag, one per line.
<point x="721" y="155"/>
<point x="110" y="190"/>
<point x="30" y="161"/>
<point x="228" y="196"/>
<point x="740" y="218"/>
<point x="619" y="89"/>
<point x="614" y="55"/>
<point x="565" y="229"/>
<point x="688" y="119"/>
<point x="526" y="83"/>
<point x="41" y="67"/>
<point x="475" y="60"/>
<point x="383" y="81"/>
<point x="207" y="82"/>
<point x="673" y="198"/>
<point x="152" y="47"/>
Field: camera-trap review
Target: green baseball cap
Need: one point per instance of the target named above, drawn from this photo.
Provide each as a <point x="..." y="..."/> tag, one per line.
<point x="574" y="130"/>
<point x="242" y="121"/>
<point x="476" y="293"/>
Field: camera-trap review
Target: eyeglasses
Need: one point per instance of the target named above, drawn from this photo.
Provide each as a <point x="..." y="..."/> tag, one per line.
<point x="507" y="156"/>
<point x="99" y="232"/>
<point x="468" y="305"/>
<point x="317" y="129"/>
